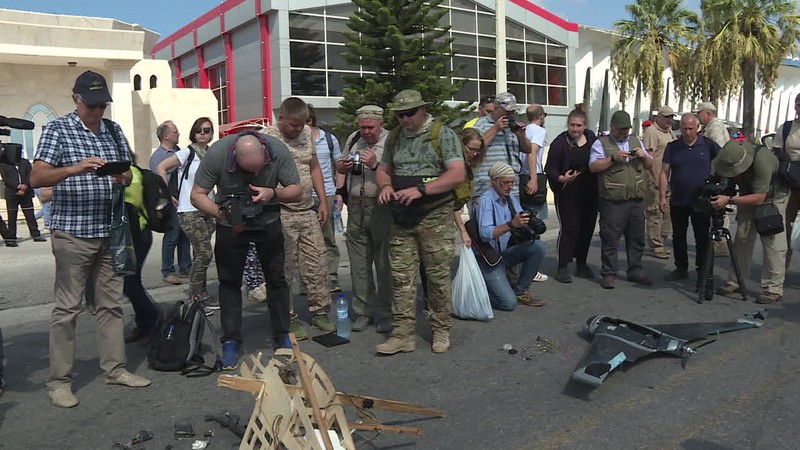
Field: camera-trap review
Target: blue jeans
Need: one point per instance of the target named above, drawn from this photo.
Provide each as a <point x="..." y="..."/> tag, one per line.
<point x="502" y="295"/>
<point x="175" y="238"/>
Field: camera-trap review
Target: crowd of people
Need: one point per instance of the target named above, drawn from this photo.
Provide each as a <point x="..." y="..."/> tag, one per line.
<point x="269" y="194"/>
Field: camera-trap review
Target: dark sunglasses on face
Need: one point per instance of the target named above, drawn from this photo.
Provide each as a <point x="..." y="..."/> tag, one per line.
<point x="206" y="130"/>
<point x="100" y="106"/>
<point x="409" y="113"/>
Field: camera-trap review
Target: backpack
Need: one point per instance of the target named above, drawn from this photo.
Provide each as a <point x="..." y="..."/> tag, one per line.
<point x="788" y="170"/>
<point x="184" y="170"/>
<point x="161" y="211"/>
<point x="177" y="346"/>
<point x="461" y="193"/>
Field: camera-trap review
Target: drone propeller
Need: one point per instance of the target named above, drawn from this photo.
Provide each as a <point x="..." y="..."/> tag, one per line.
<point x="687" y="351"/>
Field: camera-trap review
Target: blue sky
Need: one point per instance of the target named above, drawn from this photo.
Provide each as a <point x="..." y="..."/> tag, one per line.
<point x="166" y="17"/>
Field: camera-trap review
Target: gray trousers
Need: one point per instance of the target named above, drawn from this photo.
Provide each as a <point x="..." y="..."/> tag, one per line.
<point x="368" y="227"/>
<point x="617" y="219"/>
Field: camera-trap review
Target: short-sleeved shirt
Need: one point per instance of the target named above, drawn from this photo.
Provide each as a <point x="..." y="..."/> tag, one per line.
<point x="792" y="141"/>
<point x="302" y="150"/>
<point x="655" y="140"/>
<point x="184" y="201"/>
<point x="159" y="155"/>
<point x="81" y="204"/>
<point x="214" y="172"/>
<point x="414" y="155"/>
<point x="537" y="135"/>
<point x="716" y="130"/>
<point x="493" y="211"/>
<point x="366" y="180"/>
<point x="326" y="157"/>
<point x="759" y="176"/>
<point x="503" y="148"/>
<point x="690" y="165"/>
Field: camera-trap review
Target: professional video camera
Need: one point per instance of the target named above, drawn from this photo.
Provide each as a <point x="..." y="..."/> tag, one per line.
<point x="512" y="123"/>
<point x="11" y="153"/>
<point x="714" y="186"/>
<point x="535" y="228"/>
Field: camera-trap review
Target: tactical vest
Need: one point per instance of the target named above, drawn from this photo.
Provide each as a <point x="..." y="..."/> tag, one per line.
<point x="623" y="180"/>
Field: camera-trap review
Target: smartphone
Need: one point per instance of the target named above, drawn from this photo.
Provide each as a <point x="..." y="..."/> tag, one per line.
<point x="113" y="168"/>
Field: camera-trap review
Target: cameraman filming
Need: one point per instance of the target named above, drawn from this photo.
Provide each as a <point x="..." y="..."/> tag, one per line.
<point x="752" y="169"/>
<point x="504" y="139"/>
<point x="246" y="169"/>
<point x="507" y="228"/>
<point x="685" y="166"/>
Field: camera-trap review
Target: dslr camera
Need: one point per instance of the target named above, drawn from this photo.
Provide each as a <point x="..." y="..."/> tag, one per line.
<point x="533" y="230"/>
<point x="239" y="209"/>
<point x="358" y="165"/>
<point x="512" y="123"/>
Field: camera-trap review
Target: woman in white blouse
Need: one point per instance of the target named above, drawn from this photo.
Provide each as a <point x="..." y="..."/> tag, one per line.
<point x="196" y="224"/>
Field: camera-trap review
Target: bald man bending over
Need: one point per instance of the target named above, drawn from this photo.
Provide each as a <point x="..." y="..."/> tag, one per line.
<point x="247" y="169"/>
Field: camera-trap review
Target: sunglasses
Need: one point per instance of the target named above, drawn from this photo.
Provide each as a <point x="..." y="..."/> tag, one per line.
<point x="409" y="113"/>
<point x="98" y="106"/>
<point x="205" y="130"/>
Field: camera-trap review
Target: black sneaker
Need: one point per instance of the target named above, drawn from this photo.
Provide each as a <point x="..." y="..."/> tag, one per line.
<point x="583" y="271"/>
<point x="677" y="274"/>
<point x="563" y="276"/>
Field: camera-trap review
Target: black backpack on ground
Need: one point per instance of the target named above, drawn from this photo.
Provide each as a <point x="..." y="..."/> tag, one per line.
<point x="177" y="345"/>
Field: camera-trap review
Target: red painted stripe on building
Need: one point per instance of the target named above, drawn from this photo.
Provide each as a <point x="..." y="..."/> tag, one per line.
<point x="547" y="15"/>
<point x="178" y="76"/>
<point x="266" y="82"/>
<point x="201" y="68"/>
<point x="229" y="72"/>
<point x="196" y="23"/>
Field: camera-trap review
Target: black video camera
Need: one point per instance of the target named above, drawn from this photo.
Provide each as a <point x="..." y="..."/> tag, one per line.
<point x="512" y="123"/>
<point x="11" y="153"/>
<point x="714" y="186"/>
<point x="533" y="230"/>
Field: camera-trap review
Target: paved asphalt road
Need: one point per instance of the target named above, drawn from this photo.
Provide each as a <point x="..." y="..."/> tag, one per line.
<point x="738" y="393"/>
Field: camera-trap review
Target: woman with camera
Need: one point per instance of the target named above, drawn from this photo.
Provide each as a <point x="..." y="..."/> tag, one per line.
<point x="197" y="225"/>
<point x="575" y="190"/>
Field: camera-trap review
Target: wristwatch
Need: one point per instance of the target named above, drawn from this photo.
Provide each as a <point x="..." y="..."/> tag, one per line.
<point x="421" y="188"/>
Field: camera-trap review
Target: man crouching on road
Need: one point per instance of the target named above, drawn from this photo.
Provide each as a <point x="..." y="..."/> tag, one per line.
<point x="413" y="175"/>
<point x="247" y="168"/>
<point x="500" y="223"/>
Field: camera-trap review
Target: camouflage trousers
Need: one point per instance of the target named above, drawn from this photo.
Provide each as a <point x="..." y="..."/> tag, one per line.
<point x="305" y="251"/>
<point x="198" y="227"/>
<point x="433" y="242"/>
<point x="253" y="274"/>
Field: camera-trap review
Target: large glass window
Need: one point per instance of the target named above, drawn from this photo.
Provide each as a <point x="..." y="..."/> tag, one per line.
<point x="536" y="68"/>
<point x="316" y="45"/>
<point x="218" y="82"/>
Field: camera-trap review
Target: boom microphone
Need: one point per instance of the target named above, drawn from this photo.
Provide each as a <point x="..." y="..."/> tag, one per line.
<point x="19" y="124"/>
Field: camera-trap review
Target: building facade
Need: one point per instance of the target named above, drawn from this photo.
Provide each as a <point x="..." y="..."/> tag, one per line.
<point x="254" y="53"/>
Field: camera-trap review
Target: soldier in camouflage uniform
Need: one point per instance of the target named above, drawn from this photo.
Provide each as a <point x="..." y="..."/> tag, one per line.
<point x="419" y="185"/>
<point x="302" y="231"/>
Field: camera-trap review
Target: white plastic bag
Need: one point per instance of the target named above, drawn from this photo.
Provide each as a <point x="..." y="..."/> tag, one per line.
<point x="470" y="296"/>
<point x="796" y="234"/>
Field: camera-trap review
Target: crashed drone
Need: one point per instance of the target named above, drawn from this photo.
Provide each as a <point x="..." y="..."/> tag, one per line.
<point x="615" y="341"/>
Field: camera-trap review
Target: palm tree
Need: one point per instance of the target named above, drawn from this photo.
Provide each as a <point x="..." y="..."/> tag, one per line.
<point x="650" y="41"/>
<point x="750" y="39"/>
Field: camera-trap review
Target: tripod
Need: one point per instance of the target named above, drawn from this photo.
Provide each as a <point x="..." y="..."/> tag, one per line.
<point x="705" y="280"/>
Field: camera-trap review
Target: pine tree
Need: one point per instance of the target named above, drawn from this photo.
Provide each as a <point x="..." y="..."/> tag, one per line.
<point x="406" y="45"/>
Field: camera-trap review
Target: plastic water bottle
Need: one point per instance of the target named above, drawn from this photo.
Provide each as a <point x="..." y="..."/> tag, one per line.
<point x="337" y="218"/>
<point x="342" y="318"/>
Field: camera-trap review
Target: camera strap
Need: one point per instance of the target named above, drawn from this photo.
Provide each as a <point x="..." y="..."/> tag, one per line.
<point x="508" y="153"/>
